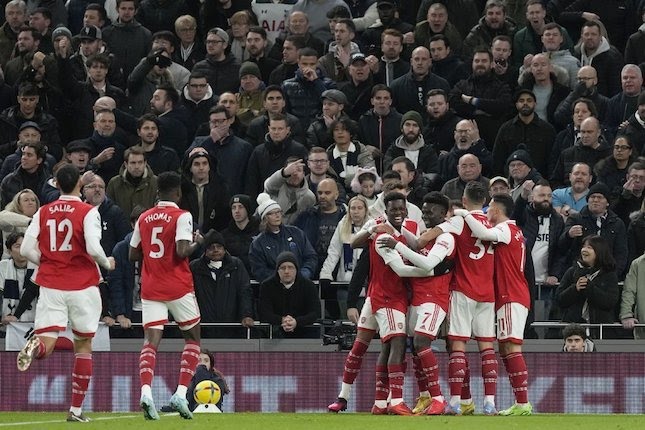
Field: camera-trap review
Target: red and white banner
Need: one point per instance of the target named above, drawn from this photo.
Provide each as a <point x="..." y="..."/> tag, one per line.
<point x="308" y="382"/>
<point x="18" y="333"/>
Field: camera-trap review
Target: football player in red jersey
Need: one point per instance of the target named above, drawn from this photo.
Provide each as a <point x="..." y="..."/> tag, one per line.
<point x="512" y="297"/>
<point x="163" y="241"/>
<point x="64" y="240"/>
<point x="430" y="295"/>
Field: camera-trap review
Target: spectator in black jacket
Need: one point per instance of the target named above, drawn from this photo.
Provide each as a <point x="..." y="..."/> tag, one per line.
<point x="410" y="89"/>
<point x="390" y="66"/>
<point x="333" y="107"/>
<point x="379" y="126"/>
<point x="273" y="103"/>
<point x="525" y="128"/>
<point x="297" y="25"/>
<point x="411" y="144"/>
<point x="359" y="86"/>
<point x="482" y="97"/>
<point x="634" y="130"/>
<point x="158" y="15"/>
<point x="417" y="183"/>
<point x="160" y="158"/>
<point x="289" y="56"/>
<point x="289" y="301"/>
<point x="445" y="63"/>
<point x="621" y="106"/>
<point x="520" y="171"/>
<point x="596" y="51"/>
<point x="256" y="44"/>
<point x="205" y="371"/>
<point x="31" y="173"/>
<point x="191" y="49"/>
<point x="222" y="288"/>
<point x="466" y="141"/>
<point x="92" y="43"/>
<point x="198" y="98"/>
<point x="219" y="68"/>
<point x="587" y="88"/>
<point x="242" y="228"/>
<point x="440" y="125"/>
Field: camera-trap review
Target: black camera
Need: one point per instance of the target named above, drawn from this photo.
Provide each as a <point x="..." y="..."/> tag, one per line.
<point x="341" y="333"/>
<point x="501" y="61"/>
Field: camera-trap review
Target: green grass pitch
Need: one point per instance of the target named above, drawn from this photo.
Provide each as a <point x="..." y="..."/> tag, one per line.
<point x="303" y="421"/>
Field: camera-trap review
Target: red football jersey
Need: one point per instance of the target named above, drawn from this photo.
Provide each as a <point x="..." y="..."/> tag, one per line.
<point x="386" y="289"/>
<point x="61" y="229"/>
<point x="510" y="256"/>
<point x="432" y="289"/>
<point x="475" y="260"/>
<point x="164" y="276"/>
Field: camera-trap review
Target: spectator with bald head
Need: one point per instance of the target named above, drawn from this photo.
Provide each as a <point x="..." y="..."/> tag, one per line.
<point x="592" y="149"/>
<point x="570" y="200"/>
<point x="410" y="90"/>
<point x="587" y="87"/>
<point x="297" y="25"/>
<point x="469" y="169"/>
<point x="466" y="141"/>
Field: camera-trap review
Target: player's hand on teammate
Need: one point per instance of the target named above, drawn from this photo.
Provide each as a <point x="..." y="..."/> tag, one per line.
<point x="428" y="236"/>
<point x="352" y="315"/>
<point x="112" y="263"/>
<point x="460" y="212"/>
<point x="383" y="228"/>
<point x="386" y="241"/>
<point x="124" y="321"/>
<point x="248" y="322"/>
<point x="198" y="237"/>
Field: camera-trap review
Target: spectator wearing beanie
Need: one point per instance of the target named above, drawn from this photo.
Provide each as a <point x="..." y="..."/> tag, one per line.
<point x="222" y="288"/>
<point x="274" y="238"/>
<point x="242" y="228"/>
<point x="249" y="99"/>
<point x="289" y="301"/>
<point x="596" y="219"/>
<point x="520" y="170"/>
<point x="411" y="144"/>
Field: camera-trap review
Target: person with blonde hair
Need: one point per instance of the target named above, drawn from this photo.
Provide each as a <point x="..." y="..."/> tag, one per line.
<point x="17" y="215"/>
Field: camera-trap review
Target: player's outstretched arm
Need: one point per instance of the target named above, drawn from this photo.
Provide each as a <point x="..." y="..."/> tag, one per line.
<point x="479" y="230"/>
<point x="444" y="244"/>
<point x="394" y="260"/>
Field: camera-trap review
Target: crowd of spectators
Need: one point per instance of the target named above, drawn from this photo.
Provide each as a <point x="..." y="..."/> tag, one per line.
<point x="286" y="118"/>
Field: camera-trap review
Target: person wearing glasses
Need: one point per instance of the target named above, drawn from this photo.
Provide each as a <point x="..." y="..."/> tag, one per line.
<point x="220" y="68"/>
<point x="190" y="49"/>
<point x="198" y="98"/>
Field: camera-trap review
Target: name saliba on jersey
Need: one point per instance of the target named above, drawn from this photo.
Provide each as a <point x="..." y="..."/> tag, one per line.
<point x="61" y="207"/>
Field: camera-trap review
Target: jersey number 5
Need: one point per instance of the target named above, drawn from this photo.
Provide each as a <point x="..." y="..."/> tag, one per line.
<point x="65" y="227"/>
<point x="156" y="241"/>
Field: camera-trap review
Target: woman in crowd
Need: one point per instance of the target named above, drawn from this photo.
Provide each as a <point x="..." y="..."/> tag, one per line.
<point x="612" y="170"/>
<point x="16" y="216"/>
<point x="588" y="292"/>
<point x="206" y="371"/>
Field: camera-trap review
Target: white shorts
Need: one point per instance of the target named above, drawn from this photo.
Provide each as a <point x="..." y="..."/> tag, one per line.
<point x="367" y="320"/>
<point x="511" y="319"/>
<point x="56" y="308"/>
<point x="425" y="319"/>
<point x="184" y="310"/>
<point x="469" y="318"/>
<point x="391" y="323"/>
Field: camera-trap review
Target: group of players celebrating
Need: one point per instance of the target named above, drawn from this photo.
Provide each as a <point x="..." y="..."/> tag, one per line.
<point x="467" y="269"/>
<point x="63" y="240"/>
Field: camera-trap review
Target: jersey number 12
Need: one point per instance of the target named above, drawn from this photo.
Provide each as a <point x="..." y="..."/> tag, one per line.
<point x="65" y="227"/>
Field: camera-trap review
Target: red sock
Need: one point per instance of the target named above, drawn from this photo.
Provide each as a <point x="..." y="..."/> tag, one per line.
<point x="382" y="383"/>
<point x="431" y="370"/>
<point x="489" y="371"/>
<point x="81" y="377"/>
<point x="518" y="375"/>
<point x="41" y="350"/>
<point x="456" y="371"/>
<point x="189" y="360"/>
<point x="420" y="373"/>
<point x="354" y="361"/>
<point x="395" y="374"/>
<point x="465" y="387"/>
<point x="147" y="361"/>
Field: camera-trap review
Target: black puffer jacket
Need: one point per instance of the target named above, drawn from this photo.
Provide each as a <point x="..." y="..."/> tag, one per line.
<point x="222" y="75"/>
<point x="303" y="96"/>
<point x="157" y="15"/>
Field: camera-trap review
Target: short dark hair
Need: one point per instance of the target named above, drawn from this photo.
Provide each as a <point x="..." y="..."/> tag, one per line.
<point x="338" y="12"/>
<point x="67" y="177"/>
<point x="435" y="197"/>
<point x="347" y="123"/>
<point x="34" y="33"/>
<point x="219" y="109"/>
<point x="484" y="50"/>
<point x="196" y="74"/>
<point x="534" y="2"/>
<point x="437" y="92"/>
<point x="12" y="239"/>
<point x="133" y="150"/>
<point x="380" y="87"/>
<point x="145" y="118"/>
<point x="258" y="30"/>
<point x="390" y="197"/>
<point x="475" y="192"/>
<point x="167" y="182"/>
<point x="506" y="202"/>
<point x="392" y="32"/>
<point x="574" y="329"/>
<point x="272" y="88"/>
<point x="100" y="9"/>
<point x="46" y="13"/>
<point x="171" y="93"/>
<point x="28" y="89"/>
<point x="349" y="23"/>
<point x="604" y="257"/>
<point x="298" y="41"/>
<point x="307" y="52"/>
<point x="502" y="38"/>
<point x="39" y="148"/>
<point x="438" y="37"/>
<point x="391" y="174"/>
<point x="136" y="3"/>
<point x="552" y="26"/>
<point x="590" y="105"/>
<point x="98" y="58"/>
<point x="591" y="24"/>
<point x="409" y="165"/>
<point x="165" y="35"/>
<point x="279" y="117"/>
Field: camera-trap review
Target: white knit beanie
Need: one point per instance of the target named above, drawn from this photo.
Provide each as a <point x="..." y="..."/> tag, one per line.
<point x="266" y="205"/>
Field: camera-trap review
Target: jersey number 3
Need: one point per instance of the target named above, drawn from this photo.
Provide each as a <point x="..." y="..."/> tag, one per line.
<point x="156" y="241"/>
<point x="481" y="249"/>
<point x="64" y="227"/>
